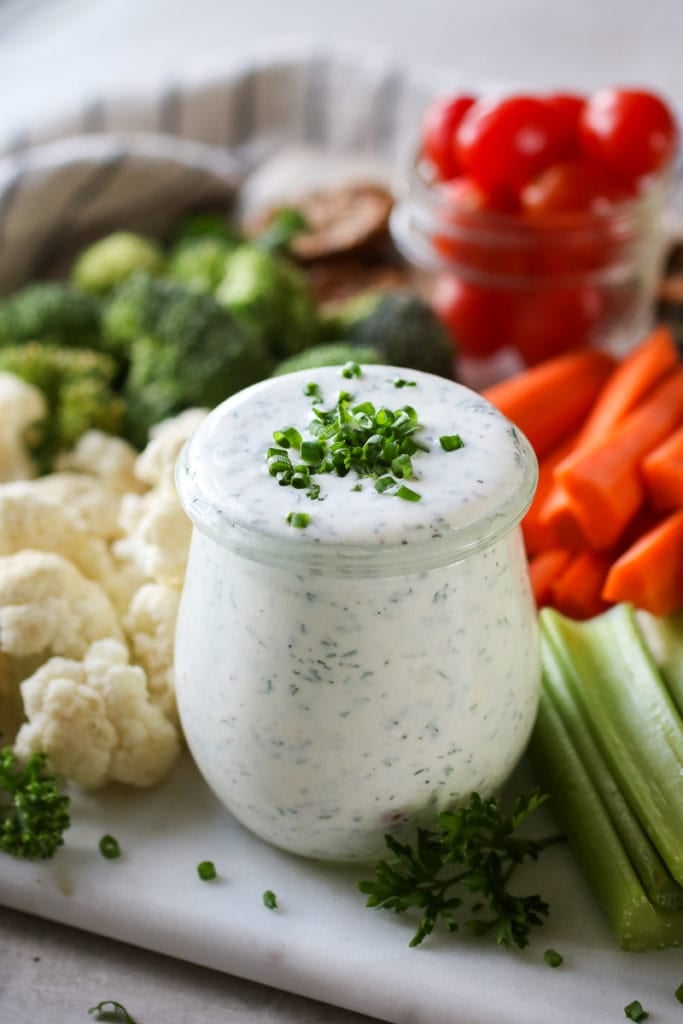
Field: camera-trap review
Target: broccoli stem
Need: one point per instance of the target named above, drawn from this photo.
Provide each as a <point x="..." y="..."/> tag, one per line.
<point x="659" y="886"/>
<point x="631" y="716"/>
<point x="636" y="924"/>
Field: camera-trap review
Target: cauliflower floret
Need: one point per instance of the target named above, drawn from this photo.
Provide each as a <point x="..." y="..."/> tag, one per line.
<point x="95" y="505"/>
<point x="157" y="535"/>
<point x="110" y="459"/>
<point x="150" y="628"/>
<point x="21" y="405"/>
<point x="47" y="606"/>
<point x="94" y="720"/>
<point x="156" y="464"/>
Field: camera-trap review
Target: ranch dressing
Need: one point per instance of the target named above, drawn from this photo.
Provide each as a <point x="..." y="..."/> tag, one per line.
<point x="356" y="676"/>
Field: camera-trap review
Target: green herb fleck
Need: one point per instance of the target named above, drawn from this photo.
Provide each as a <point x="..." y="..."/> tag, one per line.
<point x="479" y="841"/>
<point x="635" y="1011"/>
<point x="288" y="437"/>
<point x="679" y="993"/>
<point x="298" y="519"/>
<point x="109" y="847"/>
<point x="112" y="1012"/>
<point x="553" y="958"/>
<point x="400" y="382"/>
<point x="206" y="869"/>
<point x="350" y="370"/>
<point x="34" y="814"/>
<point x="451" y="442"/>
<point x="407" y="494"/>
<point x="312" y="390"/>
<point x="269" y="899"/>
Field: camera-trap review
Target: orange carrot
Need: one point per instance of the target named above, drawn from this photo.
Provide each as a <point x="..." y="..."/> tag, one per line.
<point x="604" y="482"/>
<point x="633" y="379"/>
<point x="550" y="401"/>
<point x="577" y="592"/>
<point x="663" y="472"/>
<point x="650" y="573"/>
<point x="537" y="535"/>
<point x="544" y="570"/>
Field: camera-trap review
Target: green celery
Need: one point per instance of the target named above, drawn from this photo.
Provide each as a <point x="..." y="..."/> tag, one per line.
<point x="659" y="886"/>
<point x="634" y="921"/>
<point x="631" y="716"/>
<point x="663" y="636"/>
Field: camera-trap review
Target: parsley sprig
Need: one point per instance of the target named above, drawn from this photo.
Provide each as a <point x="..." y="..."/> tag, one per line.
<point x="34" y="813"/>
<point x="474" y="850"/>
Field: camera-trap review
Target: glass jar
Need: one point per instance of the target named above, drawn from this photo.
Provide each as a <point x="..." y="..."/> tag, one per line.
<point x="515" y="290"/>
<point x="354" y="677"/>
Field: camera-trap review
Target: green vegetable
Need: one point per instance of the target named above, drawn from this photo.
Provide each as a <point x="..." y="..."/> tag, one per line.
<point x="206" y="225"/>
<point x="479" y="841"/>
<point x="199" y="263"/>
<point x="78" y="385"/>
<point x="111" y="1012"/>
<point x="184" y="350"/>
<point x="402" y="328"/>
<point x="113" y="259"/>
<point x="582" y="791"/>
<point x="285" y="226"/>
<point x="50" y="311"/>
<point x="679" y="993"/>
<point x="271" y="297"/>
<point x="34" y="814"/>
<point x="206" y="870"/>
<point x="663" y="636"/>
<point x="553" y="958"/>
<point x="327" y="354"/>
<point x="635" y="1011"/>
<point x="269" y="899"/>
<point x="298" y="519"/>
<point x="451" y="442"/>
<point x="109" y="847"/>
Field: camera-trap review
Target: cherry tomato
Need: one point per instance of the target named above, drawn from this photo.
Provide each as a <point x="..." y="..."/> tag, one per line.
<point x="475" y="315"/>
<point x="567" y="107"/>
<point x="549" y="321"/>
<point x="439" y="125"/>
<point x="572" y="186"/>
<point x="633" y="133"/>
<point x="503" y="144"/>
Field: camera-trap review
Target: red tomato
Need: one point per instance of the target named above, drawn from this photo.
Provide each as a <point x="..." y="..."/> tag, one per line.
<point x="549" y="321"/>
<point x="475" y="316"/>
<point x="572" y="186"/>
<point x="633" y="133"/>
<point x="439" y="125"/>
<point x="503" y="144"/>
<point x="567" y="107"/>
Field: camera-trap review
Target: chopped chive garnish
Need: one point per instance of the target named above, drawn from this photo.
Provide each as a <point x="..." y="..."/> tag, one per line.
<point x="109" y="847"/>
<point x="679" y="993"/>
<point x="112" y="1012"/>
<point x="400" y="382"/>
<point x="288" y="437"/>
<point x="451" y="442"/>
<point x="351" y="369"/>
<point x="269" y="899"/>
<point x="206" y="870"/>
<point x="298" y="519"/>
<point x="553" y="958"/>
<point x="312" y="451"/>
<point x="384" y="483"/>
<point x="312" y="390"/>
<point x="635" y="1011"/>
<point x="406" y="493"/>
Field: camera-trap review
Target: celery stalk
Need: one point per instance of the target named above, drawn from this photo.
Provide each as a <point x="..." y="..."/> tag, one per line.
<point x="658" y="884"/>
<point x="631" y="715"/>
<point x="664" y="638"/>
<point x="634" y="921"/>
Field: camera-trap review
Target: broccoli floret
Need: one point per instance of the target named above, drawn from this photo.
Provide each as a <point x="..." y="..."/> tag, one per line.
<point x="272" y="296"/>
<point x="334" y="353"/>
<point x="199" y="263"/>
<point x="403" y="328"/>
<point x="78" y="388"/>
<point x="184" y="350"/>
<point x="50" y="311"/>
<point x="206" y="225"/>
<point x="113" y="259"/>
<point x="34" y="814"/>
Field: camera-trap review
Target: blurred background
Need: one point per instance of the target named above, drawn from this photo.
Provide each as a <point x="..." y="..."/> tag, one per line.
<point x="55" y="52"/>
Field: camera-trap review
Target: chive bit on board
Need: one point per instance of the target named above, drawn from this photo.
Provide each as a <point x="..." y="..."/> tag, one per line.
<point x="109" y="847"/>
<point x="553" y="958"/>
<point x="635" y="1011"/>
<point x="206" y="870"/>
<point x="269" y="899"/>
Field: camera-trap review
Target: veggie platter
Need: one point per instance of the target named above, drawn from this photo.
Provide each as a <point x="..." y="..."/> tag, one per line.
<point x="108" y="369"/>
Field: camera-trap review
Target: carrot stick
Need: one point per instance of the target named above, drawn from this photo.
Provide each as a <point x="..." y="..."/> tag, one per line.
<point x="631" y="382"/>
<point x="537" y="535"/>
<point x="550" y="401"/>
<point x="544" y="570"/>
<point x="663" y="472"/>
<point x="604" y="482"/>
<point x="578" y="591"/>
<point x="650" y="573"/>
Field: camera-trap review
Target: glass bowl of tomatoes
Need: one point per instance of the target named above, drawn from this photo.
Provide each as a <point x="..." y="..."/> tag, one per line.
<point x="536" y="224"/>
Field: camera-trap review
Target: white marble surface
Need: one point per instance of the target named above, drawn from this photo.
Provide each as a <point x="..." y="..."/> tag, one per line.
<point x="55" y="53"/>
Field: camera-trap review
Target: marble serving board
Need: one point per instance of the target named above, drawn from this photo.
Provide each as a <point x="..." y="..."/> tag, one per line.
<point x="321" y="941"/>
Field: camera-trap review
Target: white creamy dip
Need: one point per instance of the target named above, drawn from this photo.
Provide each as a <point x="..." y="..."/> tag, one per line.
<point x="356" y="676"/>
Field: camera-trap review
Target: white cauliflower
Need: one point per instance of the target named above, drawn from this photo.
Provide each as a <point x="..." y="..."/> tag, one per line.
<point x="110" y="459"/>
<point x="94" y="720"/>
<point x="150" y="628"/>
<point x="21" y="405"/>
<point x="156" y="464"/>
<point x="95" y="505"/>
<point x="48" y="607"/>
